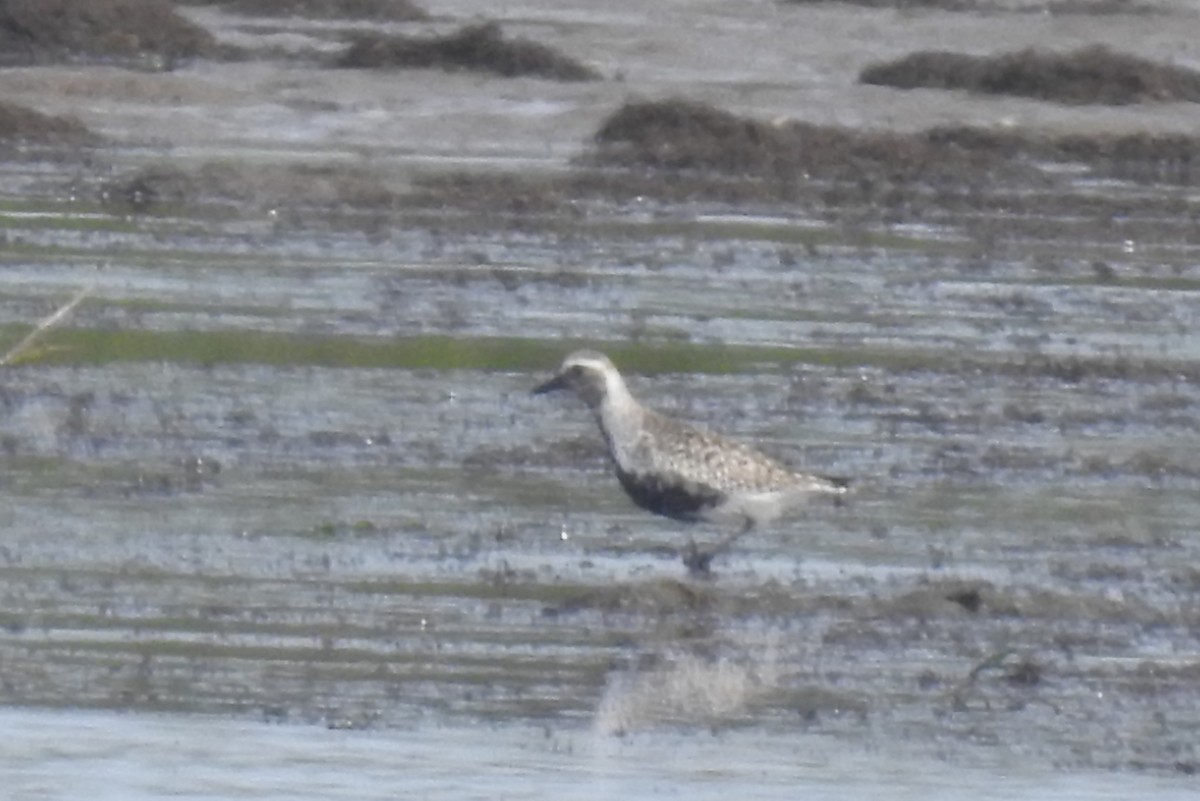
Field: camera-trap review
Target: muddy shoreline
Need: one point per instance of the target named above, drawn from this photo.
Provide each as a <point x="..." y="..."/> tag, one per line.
<point x="282" y="465"/>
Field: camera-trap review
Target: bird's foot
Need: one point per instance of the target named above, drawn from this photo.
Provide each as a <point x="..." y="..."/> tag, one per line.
<point x="697" y="561"/>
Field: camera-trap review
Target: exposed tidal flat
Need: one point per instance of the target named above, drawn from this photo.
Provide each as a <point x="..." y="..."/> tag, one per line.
<point x="277" y="485"/>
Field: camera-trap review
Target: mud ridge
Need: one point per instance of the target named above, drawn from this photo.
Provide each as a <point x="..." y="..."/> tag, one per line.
<point x="52" y="31"/>
<point x="1090" y="75"/>
<point x="19" y="124"/>
<point x="475" y="48"/>
<point x="378" y="10"/>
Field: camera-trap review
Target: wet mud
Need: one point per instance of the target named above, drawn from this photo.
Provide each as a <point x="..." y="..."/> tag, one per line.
<point x="282" y="463"/>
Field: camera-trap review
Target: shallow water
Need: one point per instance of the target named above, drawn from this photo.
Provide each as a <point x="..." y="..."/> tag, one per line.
<point x="287" y="470"/>
<point x="66" y="754"/>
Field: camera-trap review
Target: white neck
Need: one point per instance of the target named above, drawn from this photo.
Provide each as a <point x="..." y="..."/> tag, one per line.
<point x="620" y="416"/>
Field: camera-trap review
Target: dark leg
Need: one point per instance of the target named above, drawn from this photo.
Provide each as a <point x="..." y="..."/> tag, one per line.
<point x="699" y="562"/>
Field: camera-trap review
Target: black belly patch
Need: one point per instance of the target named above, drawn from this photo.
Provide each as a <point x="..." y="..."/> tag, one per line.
<point x="669" y="496"/>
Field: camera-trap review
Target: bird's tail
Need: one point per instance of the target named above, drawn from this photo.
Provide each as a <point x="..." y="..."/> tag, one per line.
<point x="830" y="485"/>
<point x="837" y="485"/>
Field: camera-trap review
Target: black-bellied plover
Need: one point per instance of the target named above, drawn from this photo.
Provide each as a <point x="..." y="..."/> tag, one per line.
<point x="678" y="471"/>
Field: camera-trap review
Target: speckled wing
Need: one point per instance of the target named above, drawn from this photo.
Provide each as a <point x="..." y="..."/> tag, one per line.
<point x="709" y="460"/>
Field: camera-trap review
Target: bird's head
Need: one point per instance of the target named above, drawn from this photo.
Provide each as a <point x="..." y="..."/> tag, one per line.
<point x="587" y="373"/>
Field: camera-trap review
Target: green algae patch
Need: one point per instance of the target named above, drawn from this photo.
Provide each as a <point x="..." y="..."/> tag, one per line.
<point x="90" y="346"/>
<point x="18" y="215"/>
<point x="83" y="346"/>
<point x="87" y="222"/>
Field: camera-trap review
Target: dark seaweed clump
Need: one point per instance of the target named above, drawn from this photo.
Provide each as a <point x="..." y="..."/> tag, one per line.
<point x="478" y="48"/>
<point x="19" y="124"/>
<point x="684" y="151"/>
<point x="683" y="135"/>
<point x="41" y="31"/>
<point x="1088" y="75"/>
<point x="686" y="135"/>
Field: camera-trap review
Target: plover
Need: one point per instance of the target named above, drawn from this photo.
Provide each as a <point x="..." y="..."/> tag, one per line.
<point x="679" y="471"/>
